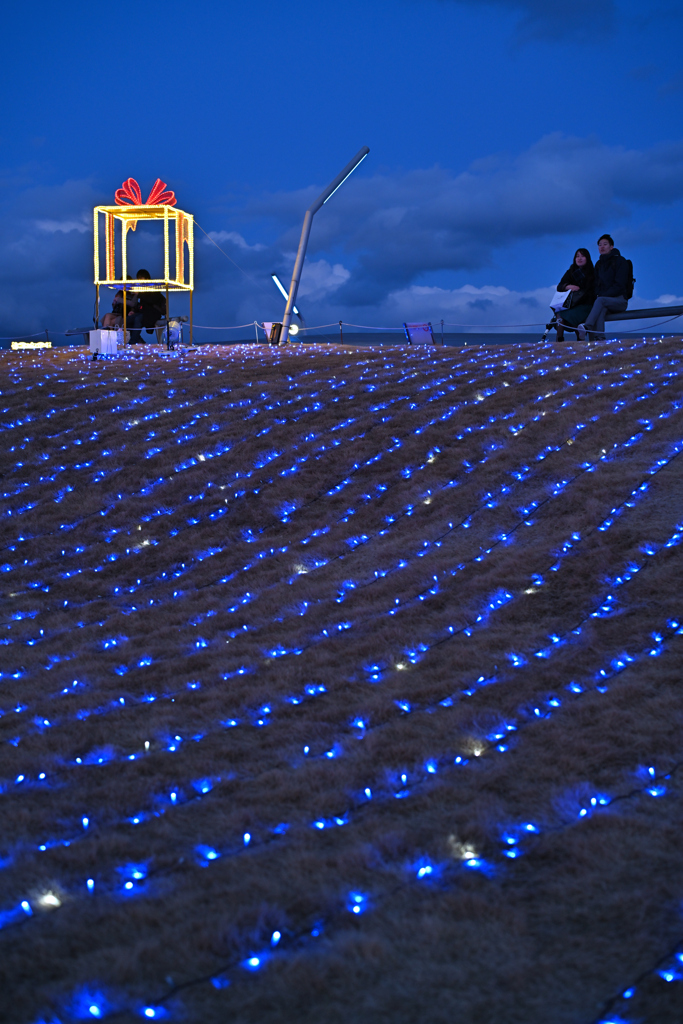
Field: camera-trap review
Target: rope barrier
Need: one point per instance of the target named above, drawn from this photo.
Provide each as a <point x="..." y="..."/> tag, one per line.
<point x="236" y="327"/>
<point x="14" y="337"/>
<point x="495" y="327"/>
<point x="319" y="327"/>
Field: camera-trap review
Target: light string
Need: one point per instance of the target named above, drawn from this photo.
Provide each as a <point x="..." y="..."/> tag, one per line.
<point x="604" y="606"/>
<point x="423" y="552"/>
<point x="357" y="902"/>
<point x="205" y="786"/>
<point x="40" y="724"/>
<point x="66" y="690"/>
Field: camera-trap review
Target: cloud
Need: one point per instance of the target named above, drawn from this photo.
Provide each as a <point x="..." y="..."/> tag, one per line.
<point x="469" y="308"/>
<point x="235" y="238"/>
<point x="373" y="249"/>
<point x="51" y="226"/>
<point x="396" y="228"/>
<point x="582" y="20"/>
<point x="319" y="279"/>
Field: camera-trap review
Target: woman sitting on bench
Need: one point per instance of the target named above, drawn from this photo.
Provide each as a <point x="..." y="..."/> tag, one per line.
<point x="579" y="280"/>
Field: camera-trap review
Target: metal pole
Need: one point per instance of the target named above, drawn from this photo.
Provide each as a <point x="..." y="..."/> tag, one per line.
<point x="306" y="231"/>
<point x="256" y="331"/>
<point x="168" y="333"/>
<point x="341" y="334"/>
<point x="125" y="310"/>
<point x="97" y="306"/>
<point x="191" y="321"/>
<point x="442" y="332"/>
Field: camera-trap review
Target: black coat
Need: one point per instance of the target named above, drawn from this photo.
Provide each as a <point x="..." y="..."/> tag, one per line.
<point x="612" y="275"/>
<point x="152" y="305"/>
<point x="584" y="279"/>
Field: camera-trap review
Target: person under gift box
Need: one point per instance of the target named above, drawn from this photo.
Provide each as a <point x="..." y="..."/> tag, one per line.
<point x="114" y="320"/>
<point x="150" y="307"/>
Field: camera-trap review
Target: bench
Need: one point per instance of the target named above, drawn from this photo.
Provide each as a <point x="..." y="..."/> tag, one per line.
<point x="659" y="312"/>
<point x="646" y="314"/>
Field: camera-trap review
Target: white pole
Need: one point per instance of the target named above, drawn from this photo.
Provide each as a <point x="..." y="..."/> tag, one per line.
<point x="306" y="231"/>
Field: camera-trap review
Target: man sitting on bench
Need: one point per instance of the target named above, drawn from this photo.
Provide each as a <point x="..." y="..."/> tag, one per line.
<point x="613" y="286"/>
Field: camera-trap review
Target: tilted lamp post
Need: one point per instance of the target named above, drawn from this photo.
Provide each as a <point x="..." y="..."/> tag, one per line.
<point x="305" y="232"/>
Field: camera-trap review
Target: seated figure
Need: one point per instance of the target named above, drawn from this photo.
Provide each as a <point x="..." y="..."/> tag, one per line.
<point x="150" y="307"/>
<point x="613" y="288"/>
<point x="114" y="319"/>
<point x="579" y="280"/>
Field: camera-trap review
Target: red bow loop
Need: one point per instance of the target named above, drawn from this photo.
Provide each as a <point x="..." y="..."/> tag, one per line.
<point x="158" y="197"/>
<point x="129" y="194"/>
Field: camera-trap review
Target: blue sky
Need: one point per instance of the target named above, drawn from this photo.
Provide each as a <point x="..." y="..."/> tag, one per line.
<point x="503" y="135"/>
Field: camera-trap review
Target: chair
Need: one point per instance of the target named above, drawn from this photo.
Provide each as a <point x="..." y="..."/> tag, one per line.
<point x="419" y="334"/>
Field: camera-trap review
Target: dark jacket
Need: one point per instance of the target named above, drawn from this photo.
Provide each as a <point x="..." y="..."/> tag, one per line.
<point x="612" y="275"/>
<point x="584" y="279"/>
<point x="152" y="305"/>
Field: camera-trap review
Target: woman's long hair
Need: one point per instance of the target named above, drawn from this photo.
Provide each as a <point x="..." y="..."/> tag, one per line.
<point x="588" y="268"/>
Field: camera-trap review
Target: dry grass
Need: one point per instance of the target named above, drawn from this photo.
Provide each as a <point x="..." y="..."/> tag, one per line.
<point x="447" y="547"/>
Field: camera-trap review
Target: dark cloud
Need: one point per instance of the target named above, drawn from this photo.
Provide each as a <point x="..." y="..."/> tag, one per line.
<point x="379" y="236"/>
<point x="583" y="20"/>
<point x="396" y="228"/>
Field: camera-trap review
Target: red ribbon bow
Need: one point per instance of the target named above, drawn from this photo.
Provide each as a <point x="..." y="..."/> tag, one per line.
<point x="130" y="195"/>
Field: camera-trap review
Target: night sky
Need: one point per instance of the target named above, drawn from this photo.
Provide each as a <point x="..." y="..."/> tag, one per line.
<point x="503" y="135"/>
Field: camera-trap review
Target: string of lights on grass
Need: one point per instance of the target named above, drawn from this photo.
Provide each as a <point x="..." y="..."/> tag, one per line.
<point x="196" y="789"/>
<point x="41" y="723"/>
<point x="133" y="878"/>
<point x="409" y="510"/>
<point x="206" y="398"/>
<point x="179" y="797"/>
<point x="413" y="781"/>
<point x="413" y="655"/>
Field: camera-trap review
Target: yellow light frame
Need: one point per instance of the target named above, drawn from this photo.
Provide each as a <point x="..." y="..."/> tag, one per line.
<point x="30" y="344"/>
<point x="129" y="216"/>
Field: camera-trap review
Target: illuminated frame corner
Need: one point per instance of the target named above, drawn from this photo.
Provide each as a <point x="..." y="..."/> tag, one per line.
<point x="183" y="281"/>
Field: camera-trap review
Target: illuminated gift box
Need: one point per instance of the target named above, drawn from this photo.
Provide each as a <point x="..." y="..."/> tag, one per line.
<point x="178" y="228"/>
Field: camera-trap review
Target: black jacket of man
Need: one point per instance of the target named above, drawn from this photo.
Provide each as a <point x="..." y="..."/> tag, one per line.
<point x="612" y="275"/>
<point x="152" y="305"/>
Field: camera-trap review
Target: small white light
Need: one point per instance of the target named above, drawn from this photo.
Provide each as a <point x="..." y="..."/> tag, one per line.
<point x="49" y="899"/>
